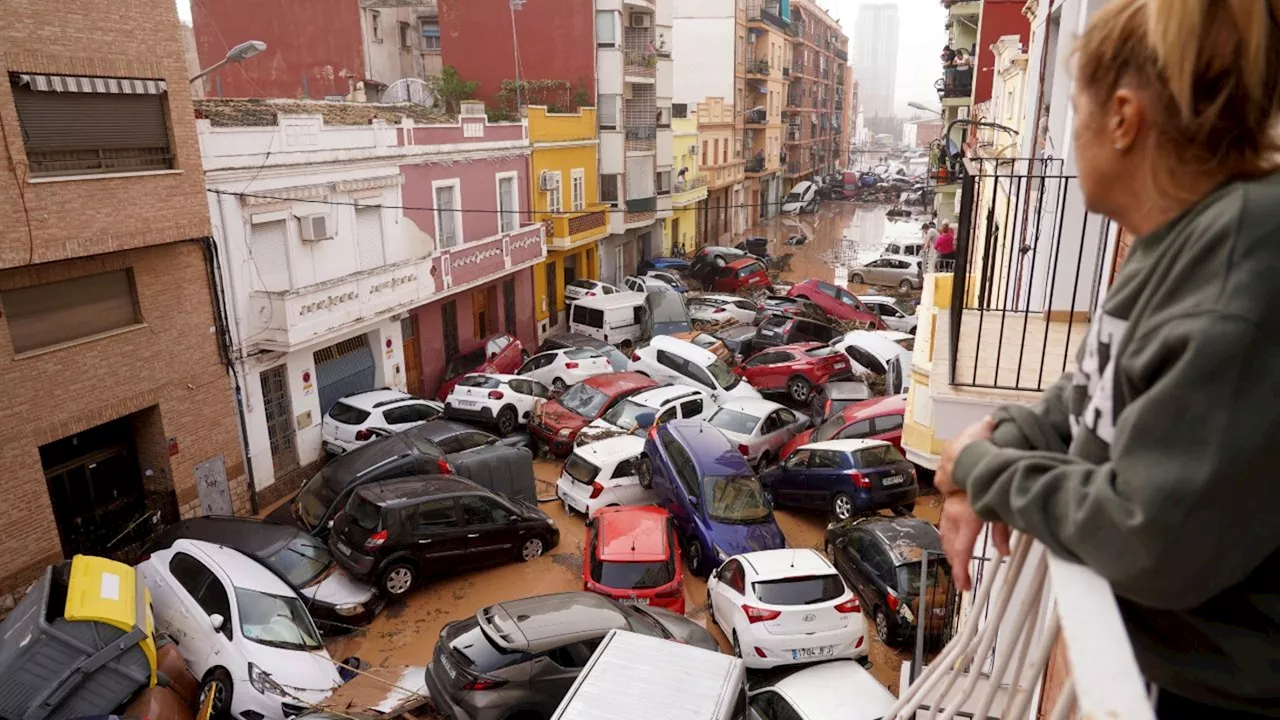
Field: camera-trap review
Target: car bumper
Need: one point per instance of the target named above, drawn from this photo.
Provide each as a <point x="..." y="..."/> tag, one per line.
<point x="333" y="622"/>
<point x="872" y="500"/>
<point x="357" y="565"/>
<point x="480" y="415"/>
<point x="846" y="643"/>
<point x="334" y="446"/>
<point x="557" y="444"/>
<point x="440" y="698"/>
<point x="575" y="496"/>
<point x="249" y="703"/>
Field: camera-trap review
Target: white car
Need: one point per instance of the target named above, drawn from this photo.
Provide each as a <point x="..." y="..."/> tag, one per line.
<point x="760" y="428"/>
<point x="666" y="359"/>
<point x="668" y="402"/>
<point x="603" y="474"/>
<point x="714" y="308"/>
<point x="906" y="340"/>
<point x="897" y="315"/>
<point x="579" y="289"/>
<point x="670" y="279"/>
<point x="356" y="419"/>
<point x="839" y="690"/>
<point x="240" y="628"/>
<point x="802" y="198"/>
<point x="558" y="369"/>
<point x="780" y="607"/>
<point x="505" y="401"/>
<point x="901" y="271"/>
<point x="645" y="284"/>
<point x="879" y="354"/>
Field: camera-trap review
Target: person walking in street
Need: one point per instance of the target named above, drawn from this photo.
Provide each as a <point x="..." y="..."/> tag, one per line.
<point x="1154" y="462"/>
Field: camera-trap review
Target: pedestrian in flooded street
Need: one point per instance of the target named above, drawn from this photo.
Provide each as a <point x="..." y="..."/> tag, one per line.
<point x="1154" y="462"/>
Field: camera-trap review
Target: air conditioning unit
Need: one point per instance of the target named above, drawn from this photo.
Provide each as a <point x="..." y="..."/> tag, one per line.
<point x="315" y="227"/>
<point x="641" y="20"/>
<point x="547" y="181"/>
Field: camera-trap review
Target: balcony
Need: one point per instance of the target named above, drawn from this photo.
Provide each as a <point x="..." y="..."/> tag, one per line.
<point x="758" y="67"/>
<point x="569" y="230"/>
<point x="841" y="55"/>
<point x="640" y="53"/>
<point x="720" y="175"/>
<point x="756" y="117"/>
<point x="641" y="138"/>
<point x="755" y="166"/>
<point x="689" y="191"/>
<point x="963" y="8"/>
<point x="639" y="205"/>
<point x="768" y="12"/>
<point x="955" y="84"/>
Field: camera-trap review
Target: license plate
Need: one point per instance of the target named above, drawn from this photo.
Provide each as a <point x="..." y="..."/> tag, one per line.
<point x="893" y="480"/>
<point x="813" y="652"/>
<point x="335" y="449"/>
<point x="448" y="666"/>
<point x="634" y="601"/>
<point x="342" y="547"/>
<point x="465" y="403"/>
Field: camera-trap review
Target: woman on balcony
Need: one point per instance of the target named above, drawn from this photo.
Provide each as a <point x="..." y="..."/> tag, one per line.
<point x="1155" y="463"/>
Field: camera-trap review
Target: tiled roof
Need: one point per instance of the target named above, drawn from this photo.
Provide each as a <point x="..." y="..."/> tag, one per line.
<point x="252" y="112"/>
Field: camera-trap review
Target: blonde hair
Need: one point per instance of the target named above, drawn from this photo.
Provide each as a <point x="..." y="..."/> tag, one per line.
<point x="1211" y="69"/>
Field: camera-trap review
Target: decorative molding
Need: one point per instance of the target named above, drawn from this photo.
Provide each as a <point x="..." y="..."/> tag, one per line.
<point x="277" y="195"/>
<point x="325" y="304"/>
<point x="475" y="257"/>
<point x="392" y="283"/>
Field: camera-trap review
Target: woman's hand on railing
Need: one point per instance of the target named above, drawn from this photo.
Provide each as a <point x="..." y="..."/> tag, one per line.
<point x="961" y="526"/>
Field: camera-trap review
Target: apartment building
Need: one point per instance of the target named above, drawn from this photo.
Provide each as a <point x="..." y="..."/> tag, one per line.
<point x="688" y="197"/>
<point x="118" y="412"/>
<point x="816" y="113"/>
<point x="319" y="49"/>
<point x="768" y="76"/>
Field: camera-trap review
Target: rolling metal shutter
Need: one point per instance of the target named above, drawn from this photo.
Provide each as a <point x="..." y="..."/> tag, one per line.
<point x="369" y="237"/>
<point x="269" y="255"/>
<point x="343" y="369"/>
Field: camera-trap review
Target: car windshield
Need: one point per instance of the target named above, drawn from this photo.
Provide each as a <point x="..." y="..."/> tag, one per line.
<point x="347" y="415"/>
<point x="837" y="406"/>
<point x="320" y="492"/>
<point x="584" y="400"/>
<point x="301" y="561"/>
<point x="480" y="381"/>
<point x="704" y="341"/>
<point x="579" y="469"/>
<point x="799" y="590"/>
<point x="903" y="308"/>
<point x="791" y="197"/>
<point x="315" y="498"/>
<point x="633" y="575"/>
<point x="623" y="415"/>
<point x="276" y="621"/>
<point x="465" y="363"/>
<point x="643" y="623"/>
<point x="735" y="499"/>
<point x="828" y="429"/>
<point x="723" y="376"/>
<point x="734" y="421"/>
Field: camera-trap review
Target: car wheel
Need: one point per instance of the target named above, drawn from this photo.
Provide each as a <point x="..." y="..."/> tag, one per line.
<point x="532" y="549"/>
<point x="763" y="461"/>
<point x="883" y="629"/>
<point x="842" y="506"/>
<point x="644" y="472"/>
<point x="558" y="385"/>
<point x="906" y="285"/>
<point x="857" y="279"/>
<point x="831" y="552"/>
<point x="719" y="260"/>
<point x="398" y="580"/>
<point x="507" y="421"/>
<point x="799" y="388"/>
<point x="693" y="557"/>
<point x="219" y="685"/>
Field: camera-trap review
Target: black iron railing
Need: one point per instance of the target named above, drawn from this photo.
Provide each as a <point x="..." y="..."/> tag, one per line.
<point x="1028" y="255"/>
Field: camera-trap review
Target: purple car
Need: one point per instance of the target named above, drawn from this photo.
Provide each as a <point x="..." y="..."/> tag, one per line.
<point x="713" y="495"/>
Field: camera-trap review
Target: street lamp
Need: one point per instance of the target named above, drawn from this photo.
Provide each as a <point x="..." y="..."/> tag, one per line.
<point x="239" y="53"/>
<point x="924" y="108"/>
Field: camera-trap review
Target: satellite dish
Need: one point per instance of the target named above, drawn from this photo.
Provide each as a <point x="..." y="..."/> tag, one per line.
<point x="410" y="90"/>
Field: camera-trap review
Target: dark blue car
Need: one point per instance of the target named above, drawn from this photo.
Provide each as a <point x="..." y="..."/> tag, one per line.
<point x="846" y="476"/>
<point x="714" y="497"/>
<point x="665" y="264"/>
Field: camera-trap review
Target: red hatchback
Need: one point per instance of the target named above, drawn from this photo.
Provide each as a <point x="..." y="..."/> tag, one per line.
<point x="633" y="557"/>
<point x="794" y="369"/>
<point x="747" y="273"/>
<point x="500" y="354"/>
<point x="875" y="419"/>
<point x="560" y="420"/>
<point x="836" y="302"/>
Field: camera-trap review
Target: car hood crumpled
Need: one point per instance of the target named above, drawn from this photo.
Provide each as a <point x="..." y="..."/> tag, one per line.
<point x="336" y="587"/>
<point x="311" y="675"/>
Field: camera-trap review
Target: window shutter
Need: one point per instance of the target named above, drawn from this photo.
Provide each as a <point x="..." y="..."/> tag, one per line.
<point x="45" y="315"/>
<point x="369" y="237"/>
<point x="269" y="252"/>
<point x="74" y="132"/>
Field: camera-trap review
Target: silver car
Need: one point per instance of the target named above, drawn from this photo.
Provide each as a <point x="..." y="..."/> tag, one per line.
<point x="759" y="428"/>
<point x="519" y="658"/>
<point x="893" y="270"/>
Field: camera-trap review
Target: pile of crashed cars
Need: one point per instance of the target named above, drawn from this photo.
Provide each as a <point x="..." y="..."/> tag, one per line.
<point x="676" y="447"/>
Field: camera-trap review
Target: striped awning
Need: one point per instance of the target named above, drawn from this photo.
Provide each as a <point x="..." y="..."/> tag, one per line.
<point x="72" y="83"/>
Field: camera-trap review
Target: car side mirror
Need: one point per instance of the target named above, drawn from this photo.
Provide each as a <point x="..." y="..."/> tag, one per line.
<point x="513" y="519"/>
<point x="216" y="621"/>
<point x="645" y="420"/>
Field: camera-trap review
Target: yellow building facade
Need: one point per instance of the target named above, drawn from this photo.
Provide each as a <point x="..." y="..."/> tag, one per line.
<point x="564" y="195"/>
<point x="680" y="231"/>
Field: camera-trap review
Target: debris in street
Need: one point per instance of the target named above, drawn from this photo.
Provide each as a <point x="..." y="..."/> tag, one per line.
<point x="389" y="692"/>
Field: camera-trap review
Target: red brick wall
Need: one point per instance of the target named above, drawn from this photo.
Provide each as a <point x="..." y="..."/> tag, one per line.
<point x="999" y="18"/>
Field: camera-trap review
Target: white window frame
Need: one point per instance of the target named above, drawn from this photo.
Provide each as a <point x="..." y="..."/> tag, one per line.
<point x="514" y="213"/>
<point x="456" y="185"/>
<point x="614" y="20"/>
<point x="557" y="194"/>
<point x="375" y="25"/>
<point x="578" y="189"/>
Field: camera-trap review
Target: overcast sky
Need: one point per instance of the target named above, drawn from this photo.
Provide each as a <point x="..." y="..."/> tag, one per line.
<point x="921" y="37"/>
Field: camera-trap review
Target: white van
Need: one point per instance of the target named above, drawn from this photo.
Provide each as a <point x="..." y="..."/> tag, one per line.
<point x="612" y="318"/>
<point x="802" y="198"/>
<point x="637" y="677"/>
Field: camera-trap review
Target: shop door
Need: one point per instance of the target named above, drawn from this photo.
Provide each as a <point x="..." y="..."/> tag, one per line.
<point x="343" y="369"/>
<point x="553" y="295"/>
<point x="677" y="247"/>
<point x="99" y="503"/>
<point x="412" y="360"/>
<point x="278" y="410"/>
<point x="480" y="315"/>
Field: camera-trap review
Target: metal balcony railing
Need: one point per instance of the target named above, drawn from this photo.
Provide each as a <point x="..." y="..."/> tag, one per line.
<point x="641" y="137"/>
<point x="955" y="82"/>
<point x="755" y="165"/>
<point x="759" y="66"/>
<point x="755" y="116"/>
<point x="767" y="11"/>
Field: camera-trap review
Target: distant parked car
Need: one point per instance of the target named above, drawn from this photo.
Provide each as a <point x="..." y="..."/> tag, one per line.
<point x="878" y="419"/>
<point x="664" y="402"/>
<point x="707" y="342"/>
<point x="712" y="307"/>
<point x="803" y="198"/>
<point x="896" y="314"/>
<point x="603" y="474"/>
<point x="784" y="607"/>
<point x="794" y="369"/>
<point x="558" y="369"/>
<point x="756" y="245"/>
<point x="397" y="532"/>
<point x="632" y="556"/>
<point x="574" y="340"/>
<point x="836" y="690"/>
<point x="900" y="271"/>
<point x="739" y="340"/>
<point x="712" y="258"/>
<point x="504" y="401"/>
<point x="356" y="419"/>
<point x="846" y="477"/>
<point x="665" y="264"/>
<point x="502" y="354"/>
<point x="518" y="659"/>
<point x="645" y="284"/>
<point x="785" y="330"/>
<point x="714" y="496"/>
<point x="836" y="302"/>
<point x="879" y="557"/>
<point x="671" y="279"/>
<point x="559" y="421"/>
<point x="579" y="289"/>
<point x="667" y="359"/>
<point x="833" y="397"/>
<point x="745" y="274"/>
<point x="759" y="428"/>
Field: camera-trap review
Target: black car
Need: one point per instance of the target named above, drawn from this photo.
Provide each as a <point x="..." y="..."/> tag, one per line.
<point x="708" y="261"/>
<point x="666" y="314"/>
<point x="786" y="330"/>
<point x="578" y="340"/>
<point x="836" y="396"/>
<point x="880" y="558"/>
<point x="758" y="246"/>
<point x="395" y="532"/>
<point x="739" y="339"/>
<point x="335" y="599"/>
<point x="434" y="447"/>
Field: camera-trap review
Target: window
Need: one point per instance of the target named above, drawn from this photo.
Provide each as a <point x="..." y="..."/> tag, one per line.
<point x="203" y="586"/>
<point x="406" y="35"/>
<point x="607" y="112"/>
<point x="858" y="430"/>
<point x="482" y="511"/>
<point x="509" y="306"/>
<point x="575" y="655"/>
<point x="578" y="189"/>
<point x="715" y="150"/>
<point x="430" y="31"/>
<point x="770" y="705"/>
<point x="886" y="423"/>
<point x="609" y="189"/>
<point x="408" y="413"/>
<point x="704" y="152"/>
<point x="725" y="157"/>
<point x="375" y="25"/>
<point x="825" y="460"/>
<point x="448" y="215"/>
<point x="449" y="328"/>
<point x="733" y="577"/>
<point x="92" y="126"/>
<point x="664" y="182"/>
<point x="42" y="316"/>
<point x="679" y="110"/>
<point x="606" y="29"/>
<point x="434" y="514"/>
<point x="691" y="408"/>
<point x="369" y="248"/>
<point x="508" y="207"/>
<point x="555" y="199"/>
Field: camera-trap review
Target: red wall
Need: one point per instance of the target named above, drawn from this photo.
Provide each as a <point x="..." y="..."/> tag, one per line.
<point x="314" y="39"/>
<point x="557" y="42"/>
<point x="999" y="18"/>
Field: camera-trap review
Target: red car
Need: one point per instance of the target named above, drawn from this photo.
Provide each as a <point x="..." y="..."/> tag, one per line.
<point x="560" y="420"/>
<point x="836" y="302"/>
<point x="632" y="556"/>
<point x="501" y="354"/>
<point x="794" y="369"/>
<point x="875" y="419"/>
<point x="742" y="274"/>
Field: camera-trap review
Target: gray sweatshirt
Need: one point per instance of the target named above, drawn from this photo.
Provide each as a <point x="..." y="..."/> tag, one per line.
<point x="1157" y="462"/>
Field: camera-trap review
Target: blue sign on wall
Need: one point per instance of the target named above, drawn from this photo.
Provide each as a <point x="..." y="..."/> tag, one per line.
<point x="786" y="10"/>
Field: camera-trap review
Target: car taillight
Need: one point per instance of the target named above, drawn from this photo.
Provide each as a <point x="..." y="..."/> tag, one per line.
<point x="635" y="357"/>
<point x="860" y="480"/>
<point x="375" y="540"/>
<point x="591" y="294"/>
<point x="892" y="601"/>
<point x="444" y="467"/>
<point x="849" y="606"/>
<point x="596" y="489"/>
<point x="742" y="448"/>
<point x="363" y="435"/>
<point x="760" y="652"/>
<point x="495" y="394"/>
<point x="755" y="614"/>
<point x="484" y="683"/>
<point x="859" y="643"/>
<point x="717" y="311"/>
<point x="571" y="366"/>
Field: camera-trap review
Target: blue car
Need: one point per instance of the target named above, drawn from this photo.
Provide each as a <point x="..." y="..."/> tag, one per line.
<point x="667" y="264"/>
<point x="848" y="477"/>
<point x="712" y="494"/>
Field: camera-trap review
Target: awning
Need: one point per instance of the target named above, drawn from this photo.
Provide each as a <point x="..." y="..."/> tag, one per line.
<point x="72" y="83"/>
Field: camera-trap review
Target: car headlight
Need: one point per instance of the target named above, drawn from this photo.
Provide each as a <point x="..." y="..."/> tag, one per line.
<point x="721" y="555"/>
<point x="349" y="609"/>
<point x="262" y="682"/>
<point x="550" y="522"/>
<point x="564" y="432"/>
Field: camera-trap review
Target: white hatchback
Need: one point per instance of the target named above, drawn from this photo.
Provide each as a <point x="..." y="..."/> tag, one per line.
<point x="759" y="428"/>
<point x="579" y="289"/>
<point x="356" y="419"/>
<point x="645" y="284"/>
<point x="896" y="314"/>
<point x="240" y="628"/>
<point x="840" y="690"/>
<point x="504" y="401"/>
<point x="603" y="474"/>
<point x="667" y="359"/>
<point x="666" y="402"/>
<point x="715" y="308"/>
<point x="558" y="369"/>
<point x="781" y="607"/>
